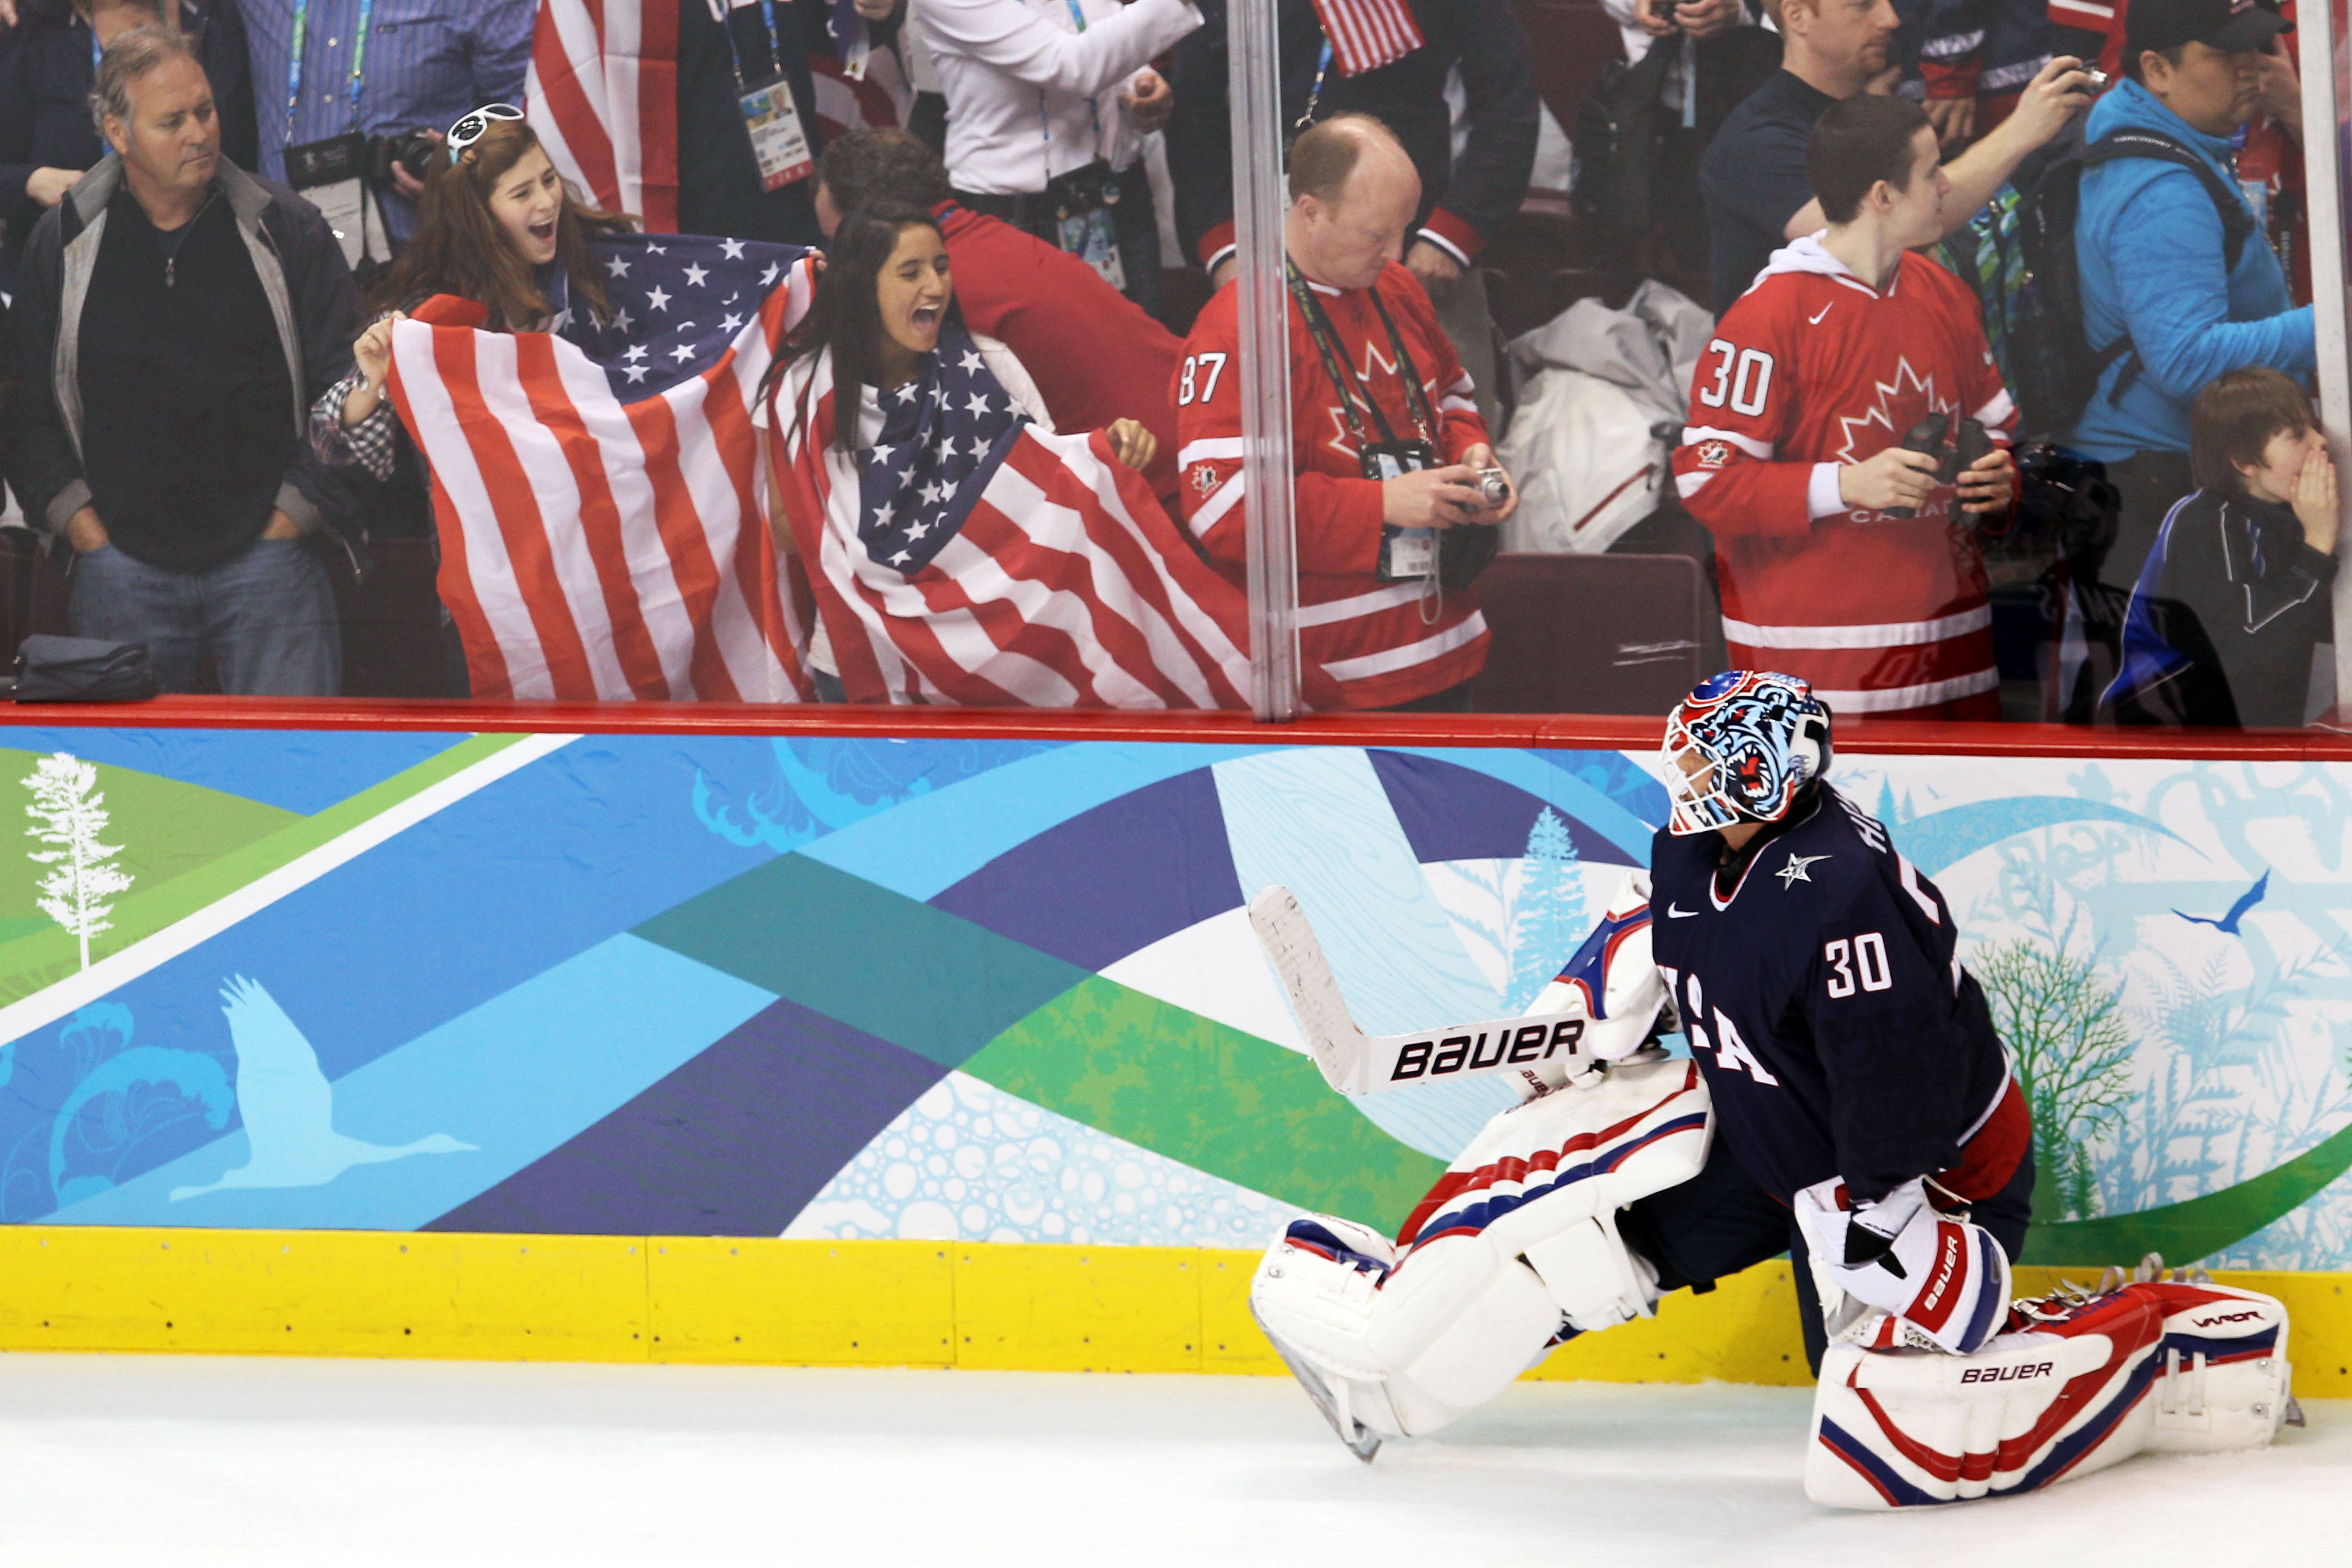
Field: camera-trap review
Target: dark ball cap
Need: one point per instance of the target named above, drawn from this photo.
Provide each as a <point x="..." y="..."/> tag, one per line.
<point x="2234" y="26"/>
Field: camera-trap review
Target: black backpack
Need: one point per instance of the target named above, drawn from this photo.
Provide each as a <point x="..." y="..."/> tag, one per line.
<point x="2054" y="369"/>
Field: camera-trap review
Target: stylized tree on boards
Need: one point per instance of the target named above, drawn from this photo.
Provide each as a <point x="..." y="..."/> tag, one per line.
<point x="71" y="813"/>
<point x="2074" y="1058"/>
<point x="1549" y="918"/>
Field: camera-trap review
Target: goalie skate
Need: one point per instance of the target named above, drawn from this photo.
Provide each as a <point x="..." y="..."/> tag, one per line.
<point x="1360" y="1439"/>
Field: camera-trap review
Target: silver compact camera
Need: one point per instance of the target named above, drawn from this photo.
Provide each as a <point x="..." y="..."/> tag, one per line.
<point x="2098" y="79"/>
<point x="1495" y="485"/>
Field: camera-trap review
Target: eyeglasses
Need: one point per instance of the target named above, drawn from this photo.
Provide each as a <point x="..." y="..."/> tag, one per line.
<point x="471" y="128"/>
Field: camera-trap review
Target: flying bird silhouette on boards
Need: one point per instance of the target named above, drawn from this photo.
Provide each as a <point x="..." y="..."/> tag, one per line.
<point x="288" y="1106"/>
<point x="2228" y="923"/>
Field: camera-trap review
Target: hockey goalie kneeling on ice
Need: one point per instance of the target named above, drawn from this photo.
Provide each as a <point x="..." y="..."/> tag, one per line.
<point x="1847" y="1101"/>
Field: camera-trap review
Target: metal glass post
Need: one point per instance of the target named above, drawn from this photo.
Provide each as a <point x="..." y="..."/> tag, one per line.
<point x="1253" y="52"/>
<point x="2323" y="183"/>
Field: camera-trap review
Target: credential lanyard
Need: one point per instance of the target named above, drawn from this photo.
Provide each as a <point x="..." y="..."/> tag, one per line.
<point x="294" y="61"/>
<point x="1343" y="375"/>
<point x="775" y="39"/>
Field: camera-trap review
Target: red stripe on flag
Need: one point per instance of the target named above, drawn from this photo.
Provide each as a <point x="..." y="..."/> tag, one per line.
<point x="519" y="524"/>
<point x="486" y="662"/>
<point x="601" y="526"/>
<point x="739" y="449"/>
<point x="588" y="138"/>
<point x="688" y="547"/>
<point x="658" y="112"/>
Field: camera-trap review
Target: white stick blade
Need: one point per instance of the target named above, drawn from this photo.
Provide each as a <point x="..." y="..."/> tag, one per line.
<point x="1298" y="962"/>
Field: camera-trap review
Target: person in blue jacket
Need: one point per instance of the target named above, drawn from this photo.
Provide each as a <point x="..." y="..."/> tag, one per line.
<point x="2153" y="251"/>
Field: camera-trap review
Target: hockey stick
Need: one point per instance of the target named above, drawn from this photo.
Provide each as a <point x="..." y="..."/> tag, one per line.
<point x="1356" y="1063"/>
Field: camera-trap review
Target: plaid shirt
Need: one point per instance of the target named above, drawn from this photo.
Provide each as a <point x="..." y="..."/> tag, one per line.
<point x="373" y="442"/>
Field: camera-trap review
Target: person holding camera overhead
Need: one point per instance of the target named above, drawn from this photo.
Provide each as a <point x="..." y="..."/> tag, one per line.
<point x="351" y="94"/>
<point x="1397" y="494"/>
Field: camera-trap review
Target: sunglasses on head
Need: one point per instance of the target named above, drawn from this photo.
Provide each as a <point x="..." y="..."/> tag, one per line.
<point x="471" y="127"/>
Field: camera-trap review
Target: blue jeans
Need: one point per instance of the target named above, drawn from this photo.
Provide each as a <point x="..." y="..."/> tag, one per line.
<point x="267" y="617"/>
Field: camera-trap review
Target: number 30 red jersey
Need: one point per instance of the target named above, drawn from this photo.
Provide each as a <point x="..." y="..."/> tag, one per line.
<point x="1813" y="369"/>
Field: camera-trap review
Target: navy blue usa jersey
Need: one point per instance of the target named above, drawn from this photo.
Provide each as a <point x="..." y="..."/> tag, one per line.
<point x="1827" y="1007"/>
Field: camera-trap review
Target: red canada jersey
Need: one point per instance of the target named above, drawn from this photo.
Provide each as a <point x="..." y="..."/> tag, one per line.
<point x="1809" y="370"/>
<point x="1384" y="643"/>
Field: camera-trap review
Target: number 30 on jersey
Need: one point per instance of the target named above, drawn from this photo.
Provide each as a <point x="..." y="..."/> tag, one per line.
<point x="1741" y="377"/>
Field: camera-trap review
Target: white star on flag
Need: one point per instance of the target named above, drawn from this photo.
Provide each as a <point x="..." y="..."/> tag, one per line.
<point x="635" y="352"/>
<point x="635" y="372"/>
<point x="977" y="404"/>
<point x="970" y="360"/>
<point x="695" y="275"/>
<point x="731" y="322"/>
<point x="618" y="268"/>
<point x="682" y="353"/>
<point x="658" y="300"/>
<point x="731" y="248"/>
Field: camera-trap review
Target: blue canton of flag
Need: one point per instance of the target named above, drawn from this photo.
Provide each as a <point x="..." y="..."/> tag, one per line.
<point x="675" y="303"/>
<point x="943" y="436"/>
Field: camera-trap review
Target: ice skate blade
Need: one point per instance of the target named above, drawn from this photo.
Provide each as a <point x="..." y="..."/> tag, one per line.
<point x="1364" y="1443"/>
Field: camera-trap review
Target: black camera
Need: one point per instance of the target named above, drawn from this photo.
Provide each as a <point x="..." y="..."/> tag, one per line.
<point x="414" y="150"/>
<point x="1932" y="437"/>
<point x="1662" y="10"/>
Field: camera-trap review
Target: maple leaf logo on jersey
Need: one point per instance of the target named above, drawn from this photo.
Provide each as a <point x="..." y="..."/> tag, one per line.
<point x="1901" y="403"/>
<point x="1377" y="371"/>
<point x="1714" y="454"/>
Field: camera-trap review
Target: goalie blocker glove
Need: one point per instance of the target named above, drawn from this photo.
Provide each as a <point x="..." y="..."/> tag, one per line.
<point x="1945" y="1280"/>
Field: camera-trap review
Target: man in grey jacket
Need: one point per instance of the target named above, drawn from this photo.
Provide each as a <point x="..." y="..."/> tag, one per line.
<point x="175" y="318"/>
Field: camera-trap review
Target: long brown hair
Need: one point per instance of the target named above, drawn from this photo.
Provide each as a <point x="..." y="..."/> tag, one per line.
<point x="846" y="315"/>
<point x="460" y="247"/>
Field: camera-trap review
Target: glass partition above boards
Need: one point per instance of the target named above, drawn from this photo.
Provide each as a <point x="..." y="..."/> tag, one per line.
<point x="1965" y="378"/>
<point x="1516" y="357"/>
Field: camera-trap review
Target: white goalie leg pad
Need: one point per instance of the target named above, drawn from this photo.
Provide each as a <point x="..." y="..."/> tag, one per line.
<point x="1521" y="1236"/>
<point x="2223" y="1381"/>
<point x="2077" y="1383"/>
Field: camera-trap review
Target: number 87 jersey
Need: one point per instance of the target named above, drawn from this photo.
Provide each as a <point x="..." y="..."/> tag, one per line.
<point x="1812" y="370"/>
<point x="1825" y="1001"/>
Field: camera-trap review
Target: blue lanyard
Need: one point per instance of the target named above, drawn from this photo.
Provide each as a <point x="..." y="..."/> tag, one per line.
<point x="96" y="54"/>
<point x="775" y="39"/>
<point x="294" y="61"/>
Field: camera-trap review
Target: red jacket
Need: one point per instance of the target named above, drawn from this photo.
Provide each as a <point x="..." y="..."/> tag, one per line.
<point x="1095" y="355"/>
<point x="1368" y="635"/>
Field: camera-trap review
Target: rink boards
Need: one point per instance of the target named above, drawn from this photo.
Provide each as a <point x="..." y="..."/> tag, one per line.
<point x="965" y="1025"/>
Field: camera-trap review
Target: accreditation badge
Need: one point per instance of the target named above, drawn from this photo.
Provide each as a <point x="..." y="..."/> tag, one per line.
<point x="780" y="142"/>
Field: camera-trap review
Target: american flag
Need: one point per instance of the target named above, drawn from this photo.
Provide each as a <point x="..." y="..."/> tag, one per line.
<point x="602" y="92"/>
<point x="969" y="557"/>
<point x="595" y="486"/>
<point x="1367" y="34"/>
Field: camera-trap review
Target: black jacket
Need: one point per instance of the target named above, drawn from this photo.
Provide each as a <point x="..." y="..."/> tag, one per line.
<point x="1462" y="200"/>
<point x="45" y="81"/>
<point x="2225" y="618"/>
<point x="302" y="271"/>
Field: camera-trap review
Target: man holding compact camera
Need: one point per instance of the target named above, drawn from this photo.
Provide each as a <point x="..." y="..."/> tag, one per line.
<point x="1846" y="425"/>
<point x="1397" y="494"/>
<point x="347" y="88"/>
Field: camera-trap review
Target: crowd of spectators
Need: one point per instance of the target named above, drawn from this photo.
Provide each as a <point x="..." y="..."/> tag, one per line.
<point x="2006" y="412"/>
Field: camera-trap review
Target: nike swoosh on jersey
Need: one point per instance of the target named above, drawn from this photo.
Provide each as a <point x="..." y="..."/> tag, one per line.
<point x="1816" y="321"/>
<point x="1675" y="913"/>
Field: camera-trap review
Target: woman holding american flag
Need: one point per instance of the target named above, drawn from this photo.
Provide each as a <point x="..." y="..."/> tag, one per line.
<point x="957" y="548"/>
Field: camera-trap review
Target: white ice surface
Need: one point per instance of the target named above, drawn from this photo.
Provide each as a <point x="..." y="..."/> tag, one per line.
<point x="155" y="1461"/>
